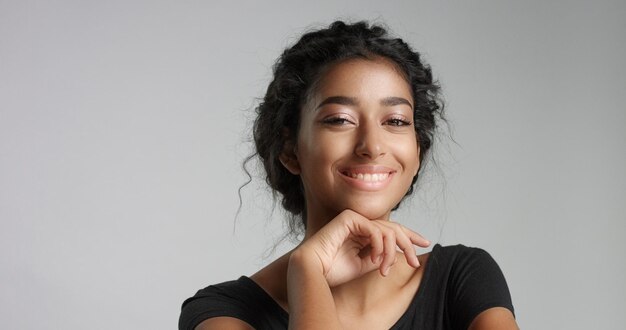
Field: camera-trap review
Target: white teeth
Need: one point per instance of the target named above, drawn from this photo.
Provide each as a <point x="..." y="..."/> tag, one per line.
<point x="369" y="177"/>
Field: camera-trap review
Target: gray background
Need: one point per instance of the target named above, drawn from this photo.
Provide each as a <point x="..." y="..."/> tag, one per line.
<point x="123" y="125"/>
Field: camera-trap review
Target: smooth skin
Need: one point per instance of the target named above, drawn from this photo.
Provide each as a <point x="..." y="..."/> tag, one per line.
<point x="356" y="154"/>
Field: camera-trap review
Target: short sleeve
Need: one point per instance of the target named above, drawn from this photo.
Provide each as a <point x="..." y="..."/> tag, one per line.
<point x="211" y="302"/>
<point x="242" y="299"/>
<point x="476" y="284"/>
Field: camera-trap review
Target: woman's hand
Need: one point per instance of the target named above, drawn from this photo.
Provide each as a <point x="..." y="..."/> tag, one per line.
<point x="347" y="247"/>
<point x="351" y="245"/>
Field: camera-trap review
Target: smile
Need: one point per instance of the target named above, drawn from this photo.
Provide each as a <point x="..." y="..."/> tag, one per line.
<point x="368" y="177"/>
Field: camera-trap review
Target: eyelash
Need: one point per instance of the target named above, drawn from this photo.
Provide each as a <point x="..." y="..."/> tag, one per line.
<point x="398" y="122"/>
<point x="337" y="121"/>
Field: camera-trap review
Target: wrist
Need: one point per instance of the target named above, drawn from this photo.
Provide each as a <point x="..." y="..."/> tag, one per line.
<point x="311" y="303"/>
<point x="304" y="260"/>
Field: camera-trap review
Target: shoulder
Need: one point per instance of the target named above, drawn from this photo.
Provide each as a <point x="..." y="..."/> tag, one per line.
<point x="230" y="293"/>
<point x="473" y="280"/>
<point x="460" y="263"/>
<point x="229" y="302"/>
<point x="458" y="250"/>
<point x="459" y="257"/>
<point x="223" y="299"/>
<point x="222" y="322"/>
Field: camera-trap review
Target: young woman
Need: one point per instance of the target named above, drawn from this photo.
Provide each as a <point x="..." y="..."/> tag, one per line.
<point x="342" y="131"/>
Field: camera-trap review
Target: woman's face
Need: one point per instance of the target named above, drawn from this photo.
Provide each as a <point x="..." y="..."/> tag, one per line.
<point x="356" y="147"/>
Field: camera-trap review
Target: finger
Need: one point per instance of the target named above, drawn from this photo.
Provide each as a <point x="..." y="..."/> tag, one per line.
<point x="407" y="247"/>
<point x="378" y="246"/>
<point x="367" y="265"/>
<point x="389" y="253"/>
<point x="404" y="243"/>
<point x="416" y="238"/>
<point x="365" y="228"/>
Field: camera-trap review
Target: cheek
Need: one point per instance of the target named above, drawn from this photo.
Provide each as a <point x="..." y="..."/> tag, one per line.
<point x="410" y="151"/>
<point x="328" y="147"/>
<point x="315" y="156"/>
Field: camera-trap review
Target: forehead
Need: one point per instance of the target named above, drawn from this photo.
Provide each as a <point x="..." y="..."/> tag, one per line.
<point x="362" y="77"/>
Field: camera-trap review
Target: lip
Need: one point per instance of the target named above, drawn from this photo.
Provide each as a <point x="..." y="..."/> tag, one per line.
<point x="363" y="170"/>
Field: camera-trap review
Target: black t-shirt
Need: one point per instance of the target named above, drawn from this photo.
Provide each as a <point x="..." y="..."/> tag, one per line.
<point x="458" y="283"/>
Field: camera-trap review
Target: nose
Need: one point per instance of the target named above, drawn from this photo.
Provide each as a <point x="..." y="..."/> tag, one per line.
<point x="370" y="143"/>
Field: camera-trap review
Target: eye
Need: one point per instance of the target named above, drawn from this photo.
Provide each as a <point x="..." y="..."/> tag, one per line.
<point x="336" y="121"/>
<point x="397" y="121"/>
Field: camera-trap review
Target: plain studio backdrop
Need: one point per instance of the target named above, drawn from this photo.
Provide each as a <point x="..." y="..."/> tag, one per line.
<point x="123" y="126"/>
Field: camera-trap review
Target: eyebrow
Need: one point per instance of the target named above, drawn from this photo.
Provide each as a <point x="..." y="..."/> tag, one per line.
<point x="353" y="101"/>
<point x="343" y="100"/>
<point x="394" y="100"/>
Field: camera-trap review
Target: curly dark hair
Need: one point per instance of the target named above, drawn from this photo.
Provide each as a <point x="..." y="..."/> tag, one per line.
<point x="295" y="74"/>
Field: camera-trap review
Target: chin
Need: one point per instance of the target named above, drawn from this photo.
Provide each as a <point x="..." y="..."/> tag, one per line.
<point x="373" y="210"/>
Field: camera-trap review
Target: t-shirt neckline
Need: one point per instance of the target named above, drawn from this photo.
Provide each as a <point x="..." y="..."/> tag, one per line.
<point x="283" y="313"/>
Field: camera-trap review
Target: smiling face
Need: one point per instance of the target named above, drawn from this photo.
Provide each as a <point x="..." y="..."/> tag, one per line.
<point x="356" y="147"/>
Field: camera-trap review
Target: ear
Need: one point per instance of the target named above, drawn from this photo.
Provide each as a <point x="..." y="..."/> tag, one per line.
<point x="289" y="158"/>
